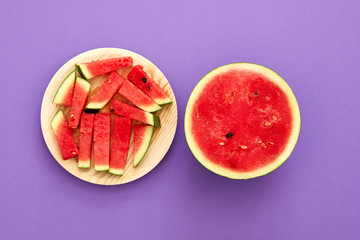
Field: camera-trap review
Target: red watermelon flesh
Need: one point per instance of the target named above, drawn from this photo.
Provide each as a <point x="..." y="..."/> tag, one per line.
<point x="100" y="67"/>
<point x="137" y="97"/>
<point x="85" y="140"/>
<point x="81" y="92"/>
<point x="101" y="140"/>
<point x="120" y="145"/>
<point x="237" y="111"/>
<point x="126" y="110"/>
<point x="64" y="136"/>
<point x="107" y="90"/>
<point x="138" y="77"/>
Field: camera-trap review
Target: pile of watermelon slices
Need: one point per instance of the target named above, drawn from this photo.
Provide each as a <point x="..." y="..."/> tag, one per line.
<point x="104" y="122"/>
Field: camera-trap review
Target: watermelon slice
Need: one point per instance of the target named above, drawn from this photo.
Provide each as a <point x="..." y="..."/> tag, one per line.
<point x="64" y="136"/>
<point x="101" y="147"/>
<point x="142" y="138"/>
<point x="100" y="67"/>
<point x="65" y="92"/>
<point x="81" y="92"/>
<point x="147" y="85"/>
<point x="137" y="97"/>
<point x="85" y="139"/>
<point x="242" y="121"/>
<point x="120" y="145"/>
<point x="107" y="90"/>
<point x="123" y="109"/>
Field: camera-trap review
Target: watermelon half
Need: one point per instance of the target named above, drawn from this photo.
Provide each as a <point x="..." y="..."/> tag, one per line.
<point x="107" y="90"/>
<point x="242" y="121"/>
<point x="100" y="67"/>
<point x="81" y="92"/>
<point x="64" y="136"/>
<point x="65" y="92"/>
<point x="126" y="110"/>
<point x="142" y="138"/>
<point x="120" y="145"/>
<point x="138" y="77"/>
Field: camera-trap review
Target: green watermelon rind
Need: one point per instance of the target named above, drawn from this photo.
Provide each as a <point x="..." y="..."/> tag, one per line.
<point x="55" y="116"/>
<point x="157" y="122"/>
<point x="101" y="168"/>
<point x="116" y="171"/>
<point x="146" y="146"/>
<point x="60" y="89"/>
<point x="163" y="101"/>
<point x="217" y="170"/>
<point x="81" y="70"/>
<point x="83" y="164"/>
<point x="150" y="110"/>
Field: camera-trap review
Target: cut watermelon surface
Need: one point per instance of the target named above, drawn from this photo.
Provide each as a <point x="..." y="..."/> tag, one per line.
<point x="137" y="97"/>
<point x="107" y="90"/>
<point x="100" y="67"/>
<point x="142" y="138"/>
<point x="64" y="136"/>
<point x="242" y="121"/>
<point x="120" y="145"/>
<point x="85" y="140"/>
<point x="65" y="92"/>
<point x="81" y="92"/>
<point x="101" y="140"/>
<point x="138" y="77"/>
<point x="126" y="110"/>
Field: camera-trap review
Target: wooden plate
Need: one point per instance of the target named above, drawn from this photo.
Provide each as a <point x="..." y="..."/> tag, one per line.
<point x="161" y="139"/>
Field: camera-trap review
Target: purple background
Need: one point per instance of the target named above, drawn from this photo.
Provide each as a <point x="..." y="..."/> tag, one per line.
<point x="314" y="45"/>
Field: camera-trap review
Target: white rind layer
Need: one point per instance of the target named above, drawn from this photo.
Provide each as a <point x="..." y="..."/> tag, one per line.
<point x="96" y="105"/>
<point x="83" y="83"/>
<point x="101" y="167"/>
<point x="84" y="163"/>
<point x="116" y="171"/>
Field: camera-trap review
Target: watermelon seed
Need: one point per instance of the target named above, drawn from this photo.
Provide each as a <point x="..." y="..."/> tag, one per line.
<point x="222" y="143"/>
<point x="233" y="93"/>
<point x="263" y="145"/>
<point x="148" y="87"/>
<point x="144" y="80"/>
<point x="271" y="143"/>
<point x="256" y="93"/>
<point x="73" y="153"/>
<point x="229" y="135"/>
<point x="274" y="117"/>
<point x="243" y="147"/>
<point x="112" y="110"/>
<point x="267" y="98"/>
<point x="267" y="124"/>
